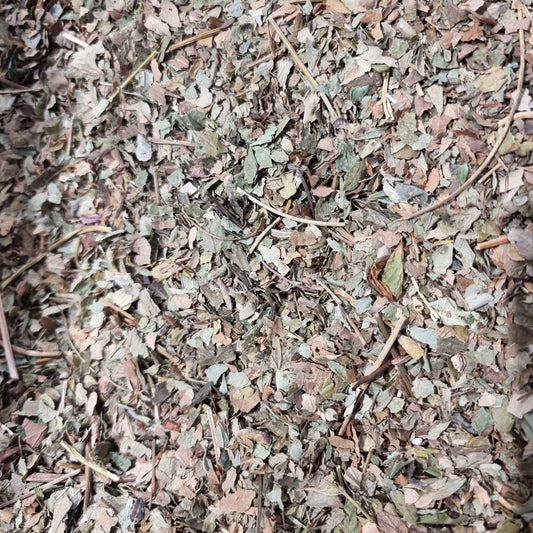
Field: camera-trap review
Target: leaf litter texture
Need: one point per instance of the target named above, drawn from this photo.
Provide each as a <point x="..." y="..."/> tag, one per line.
<point x="203" y="349"/>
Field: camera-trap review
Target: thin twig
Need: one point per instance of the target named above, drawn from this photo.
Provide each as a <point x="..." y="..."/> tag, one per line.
<point x="466" y="185"/>
<point x="262" y="235"/>
<point x="69" y="136"/>
<point x="387" y="108"/>
<point x="403" y="376"/>
<point x="74" y="39"/>
<point x="156" y="187"/>
<point x="262" y="59"/>
<point x="51" y="248"/>
<point x="85" y="462"/>
<point x="153" y="482"/>
<point x="218" y="237"/>
<point x="36" y="353"/>
<point x="18" y="86"/>
<point x="43" y="487"/>
<point x="259" y="503"/>
<point x="88" y="480"/>
<point x="212" y="428"/>
<point x="344" y="294"/>
<point x="303" y="68"/>
<point x="375" y="367"/>
<point x="285" y="215"/>
<point x="289" y="281"/>
<point x="308" y="194"/>
<point x="508" y="121"/>
<point x="492" y="243"/>
<point x="368" y="458"/>
<point x="335" y="298"/>
<point x="19" y="91"/>
<point x="521" y="115"/>
<point x="172" y="142"/>
<point x="128" y="316"/>
<point x="176" y="46"/>
<point x="4" y="330"/>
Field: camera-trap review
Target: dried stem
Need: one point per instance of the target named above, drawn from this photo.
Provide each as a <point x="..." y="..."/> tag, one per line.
<point x="42" y="487"/>
<point x="498" y="241"/>
<point x="51" y="248"/>
<point x="259" y="504"/>
<point x="4" y="330"/>
<point x="88" y="479"/>
<point x="218" y="237"/>
<point x="285" y="215"/>
<point x="289" y="281"/>
<point x="262" y="235"/>
<point x="212" y="428"/>
<point x="128" y="316"/>
<point x="522" y="115"/>
<point x="303" y="68"/>
<point x="507" y="126"/>
<point x="375" y="367"/>
<point x="85" y="462"/>
<point x="176" y="46"/>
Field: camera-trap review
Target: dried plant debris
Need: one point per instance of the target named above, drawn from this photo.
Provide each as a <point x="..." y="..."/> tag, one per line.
<point x="266" y="266"/>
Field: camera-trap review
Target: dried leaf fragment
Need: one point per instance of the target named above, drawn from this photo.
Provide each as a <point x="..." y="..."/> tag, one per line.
<point x="34" y="432"/>
<point x="238" y="502"/>
<point x="373" y="278"/>
<point x="411" y="347"/>
<point x="244" y="399"/>
<point x="393" y="273"/>
<point x="522" y="240"/>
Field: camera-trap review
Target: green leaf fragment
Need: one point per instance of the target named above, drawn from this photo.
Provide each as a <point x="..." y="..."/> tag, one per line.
<point x="393" y="273"/>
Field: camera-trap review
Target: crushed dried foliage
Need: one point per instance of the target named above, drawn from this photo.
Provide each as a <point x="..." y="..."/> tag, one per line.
<point x="266" y="266"/>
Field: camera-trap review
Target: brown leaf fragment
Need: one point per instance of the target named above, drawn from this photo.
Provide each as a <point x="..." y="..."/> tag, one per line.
<point x="169" y="13"/>
<point x="473" y="33"/>
<point x="310" y="376"/>
<point x="412" y="347"/>
<point x="520" y="404"/>
<point x="142" y="249"/>
<point x="34" y="432"/>
<point x="131" y="373"/>
<point x="250" y="436"/>
<point x="373" y="278"/>
<point x="48" y="323"/>
<point x="322" y="191"/>
<point x="388" y="523"/>
<point x="244" y="399"/>
<point x="6" y="224"/>
<point x="337" y="6"/>
<point x="302" y="238"/>
<point x="157" y="26"/>
<point x="339" y="442"/>
<point x="157" y="93"/>
<point x="433" y="180"/>
<point x="439" y="123"/>
<point x="389" y="238"/>
<point x="182" y="300"/>
<point x="512" y="26"/>
<point x="61" y="509"/>
<point x="7" y="453"/>
<point x="238" y="502"/>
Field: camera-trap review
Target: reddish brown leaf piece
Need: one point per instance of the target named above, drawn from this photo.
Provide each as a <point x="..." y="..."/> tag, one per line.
<point x="34" y="432"/>
<point x="373" y="278"/>
<point x="238" y="502"/>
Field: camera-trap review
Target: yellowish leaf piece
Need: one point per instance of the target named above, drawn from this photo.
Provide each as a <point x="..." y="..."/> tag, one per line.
<point x="411" y="347"/>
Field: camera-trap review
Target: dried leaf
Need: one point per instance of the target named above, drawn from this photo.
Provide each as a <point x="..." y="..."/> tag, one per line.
<point x="238" y="502"/>
<point x="34" y="432"/>
<point x="393" y="272"/>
